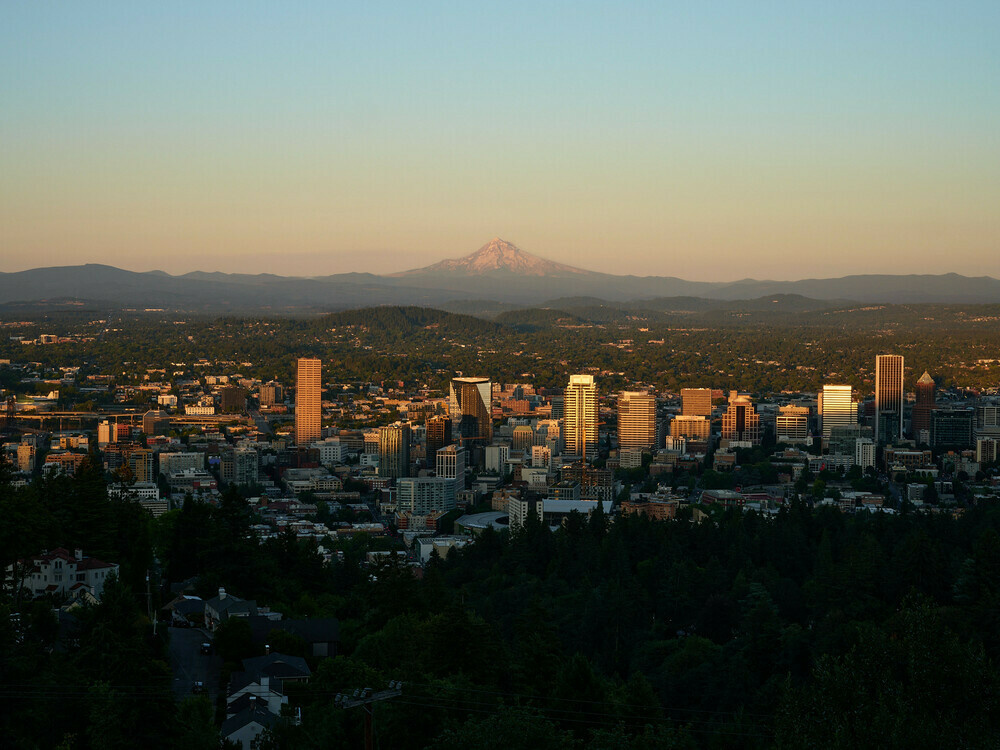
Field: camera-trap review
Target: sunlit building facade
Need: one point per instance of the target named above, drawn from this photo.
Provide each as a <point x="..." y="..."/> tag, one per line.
<point x="308" y="401"/>
<point x="636" y="420"/>
<point x="838" y="409"/>
<point x="581" y="417"/>
<point x="741" y="422"/>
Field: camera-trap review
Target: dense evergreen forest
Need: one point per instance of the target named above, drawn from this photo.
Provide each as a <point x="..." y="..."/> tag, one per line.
<point x="808" y="629"/>
<point x="755" y="350"/>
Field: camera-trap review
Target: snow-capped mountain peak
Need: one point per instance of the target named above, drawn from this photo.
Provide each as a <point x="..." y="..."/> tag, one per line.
<point x="498" y="256"/>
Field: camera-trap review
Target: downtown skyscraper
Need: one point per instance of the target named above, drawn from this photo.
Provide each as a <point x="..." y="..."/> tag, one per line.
<point x="922" y="408"/>
<point x="394" y="450"/>
<point x="741" y="422"/>
<point x="696" y="402"/>
<point x="837" y="409"/>
<point x="438" y="435"/>
<point x="888" y="398"/>
<point x="581" y="417"/>
<point x="308" y="401"/>
<point x="470" y="402"/>
<point x="636" y="420"/>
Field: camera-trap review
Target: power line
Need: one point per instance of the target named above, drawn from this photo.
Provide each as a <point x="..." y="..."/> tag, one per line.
<point x="703" y="722"/>
<point x="590" y="722"/>
<point x="566" y="714"/>
<point x="576" y="700"/>
<point x="141" y="690"/>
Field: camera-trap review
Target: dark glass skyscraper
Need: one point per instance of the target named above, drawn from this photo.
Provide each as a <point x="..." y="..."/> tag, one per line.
<point x="888" y="398"/>
<point x="470" y="400"/>
<point x="438" y="435"/>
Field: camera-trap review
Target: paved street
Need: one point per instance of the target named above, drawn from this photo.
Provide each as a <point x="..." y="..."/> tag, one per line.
<point x="189" y="665"/>
<point x="261" y="422"/>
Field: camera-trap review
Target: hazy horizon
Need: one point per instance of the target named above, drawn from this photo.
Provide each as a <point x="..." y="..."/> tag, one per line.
<point x="389" y="271"/>
<point x="712" y="143"/>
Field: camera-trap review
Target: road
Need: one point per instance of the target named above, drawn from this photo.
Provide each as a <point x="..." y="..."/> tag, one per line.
<point x="261" y="422"/>
<point x="189" y="665"/>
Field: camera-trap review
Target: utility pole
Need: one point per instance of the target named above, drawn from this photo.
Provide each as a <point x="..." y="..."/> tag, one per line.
<point x="149" y="604"/>
<point x="369" y="732"/>
<point x="364" y="698"/>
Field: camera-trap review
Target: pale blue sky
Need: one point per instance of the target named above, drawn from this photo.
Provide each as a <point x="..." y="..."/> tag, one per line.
<point x="712" y="141"/>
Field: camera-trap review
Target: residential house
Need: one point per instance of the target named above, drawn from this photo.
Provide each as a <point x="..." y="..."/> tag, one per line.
<point x="220" y="608"/>
<point x="61" y="572"/>
<point x="257" y="694"/>
<point x="243" y="728"/>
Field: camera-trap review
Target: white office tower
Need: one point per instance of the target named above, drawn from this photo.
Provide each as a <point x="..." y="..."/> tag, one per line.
<point x="331" y="451"/>
<point x="496" y="457"/>
<point x="541" y="456"/>
<point x="581" y="417"/>
<point x="864" y="452"/>
<point x="450" y="463"/>
<point x="423" y="495"/>
<point x="675" y="444"/>
<point x="986" y="450"/>
<point x="792" y="424"/>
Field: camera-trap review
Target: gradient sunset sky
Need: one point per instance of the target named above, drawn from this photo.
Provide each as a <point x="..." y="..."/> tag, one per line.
<point x="711" y="141"/>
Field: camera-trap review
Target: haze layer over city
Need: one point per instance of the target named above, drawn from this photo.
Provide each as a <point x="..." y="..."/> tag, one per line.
<point x="525" y="377"/>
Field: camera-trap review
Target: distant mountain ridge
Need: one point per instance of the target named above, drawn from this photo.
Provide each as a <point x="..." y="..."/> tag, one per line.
<point x="498" y="275"/>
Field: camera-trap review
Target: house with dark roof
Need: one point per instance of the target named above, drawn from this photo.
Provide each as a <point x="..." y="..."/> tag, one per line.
<point x="220" y="608"/>
<point x="266" y="677"/>
<point x="321" y="635"/>
<point x="184" y="610"/>
<point x="258" y="690"/>
<point x="244" y="727"/>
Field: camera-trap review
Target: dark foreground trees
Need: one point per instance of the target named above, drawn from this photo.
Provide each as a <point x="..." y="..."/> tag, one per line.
<point x="805" y="629"/>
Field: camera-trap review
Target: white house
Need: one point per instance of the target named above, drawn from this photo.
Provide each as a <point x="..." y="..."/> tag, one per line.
<point x="63" y="572"/>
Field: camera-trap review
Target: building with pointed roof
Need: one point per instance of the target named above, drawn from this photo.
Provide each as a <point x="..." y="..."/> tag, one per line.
<point x="923" y="406"/>
<point x="741" y="422"/>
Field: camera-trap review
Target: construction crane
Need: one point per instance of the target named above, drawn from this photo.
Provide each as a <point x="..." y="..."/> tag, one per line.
<point x="9" y="415"/>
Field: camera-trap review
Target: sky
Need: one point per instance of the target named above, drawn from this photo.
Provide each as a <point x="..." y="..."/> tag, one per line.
<point x="709" y="141"/>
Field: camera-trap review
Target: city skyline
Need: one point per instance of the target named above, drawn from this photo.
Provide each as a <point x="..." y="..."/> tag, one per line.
<point x="781" y="142"/>
<point x="161" y="477"/>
